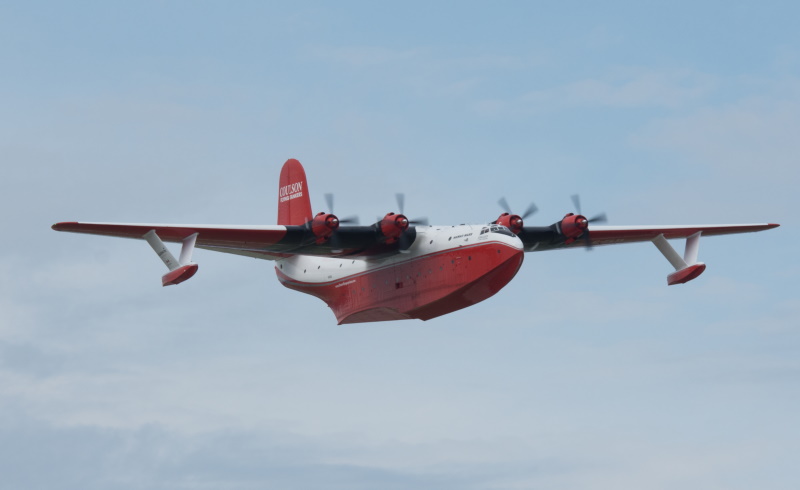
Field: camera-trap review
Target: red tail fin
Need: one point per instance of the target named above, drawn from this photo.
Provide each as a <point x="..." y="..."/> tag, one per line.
<point x="294" y="205"/>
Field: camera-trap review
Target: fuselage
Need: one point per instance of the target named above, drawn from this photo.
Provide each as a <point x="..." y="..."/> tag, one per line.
<point x="446" y="268"/>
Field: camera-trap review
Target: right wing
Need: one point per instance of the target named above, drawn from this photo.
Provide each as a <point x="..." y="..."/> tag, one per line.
<point x="566" y="235"/>
<point x="550" y="237"/>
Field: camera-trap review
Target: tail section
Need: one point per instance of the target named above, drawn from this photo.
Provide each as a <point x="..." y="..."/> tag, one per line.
<point x="294" y="205"/>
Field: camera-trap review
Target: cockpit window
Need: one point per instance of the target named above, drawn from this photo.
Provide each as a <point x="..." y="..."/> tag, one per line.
<point x="500" y="229"/>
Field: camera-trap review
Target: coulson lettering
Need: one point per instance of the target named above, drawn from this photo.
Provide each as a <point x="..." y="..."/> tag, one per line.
<point x="290" y="191"/>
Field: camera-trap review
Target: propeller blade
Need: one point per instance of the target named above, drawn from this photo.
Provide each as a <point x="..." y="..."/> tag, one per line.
<point x="401" y="201"/>
<point x="600" y="218"/>
<point x="530" y="211"/>
<point x="504" y="204"/>
<point x="588" y="241"/>
<point x="329" y="202"/>
<point x="344" y="221"/>
<point x="576" y="201"/>
<point x="403" y="242"/>
<point x="349" y="220"/>
<point x="419" y="221"/>
<point x="335" y="242"/>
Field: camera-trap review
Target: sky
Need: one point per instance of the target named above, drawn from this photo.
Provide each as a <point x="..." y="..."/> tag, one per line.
<point x="586" y="371"/>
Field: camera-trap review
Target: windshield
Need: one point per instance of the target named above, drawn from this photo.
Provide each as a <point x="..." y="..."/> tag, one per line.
<point x="500" y="229"/>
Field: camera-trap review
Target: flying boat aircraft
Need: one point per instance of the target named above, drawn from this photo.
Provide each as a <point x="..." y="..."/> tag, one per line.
<point x="398" y="268"/>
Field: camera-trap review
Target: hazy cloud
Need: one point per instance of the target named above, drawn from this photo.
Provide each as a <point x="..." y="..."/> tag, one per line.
<point x="627" y="88"/>
<point x="363" y="56"/>
<point x="751" y="140"/>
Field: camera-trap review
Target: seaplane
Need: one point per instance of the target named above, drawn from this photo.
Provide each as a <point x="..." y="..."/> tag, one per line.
<point x="399" y="268"/>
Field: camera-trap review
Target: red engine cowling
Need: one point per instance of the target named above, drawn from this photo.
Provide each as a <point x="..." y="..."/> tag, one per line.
<point x="511" y="221"/>
<point x="573" y="226"/>
<point x="392" y="226"/>
<point x="323" y="226"/>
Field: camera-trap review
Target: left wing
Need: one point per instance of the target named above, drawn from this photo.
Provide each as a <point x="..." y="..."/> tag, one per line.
<point x="268" y="242"/>
<point x="271" y="241"/>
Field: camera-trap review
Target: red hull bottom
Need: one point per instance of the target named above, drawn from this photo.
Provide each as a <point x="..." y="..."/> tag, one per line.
<point x="423" y="287"/>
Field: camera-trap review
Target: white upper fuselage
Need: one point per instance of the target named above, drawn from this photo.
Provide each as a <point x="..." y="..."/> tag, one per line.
<point x="429" y="240"/>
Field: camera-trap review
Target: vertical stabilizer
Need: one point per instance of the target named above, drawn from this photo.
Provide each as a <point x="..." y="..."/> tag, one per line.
<point x="294" y="205"/>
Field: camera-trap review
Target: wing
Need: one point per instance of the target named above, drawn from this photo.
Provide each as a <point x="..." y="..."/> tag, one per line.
<point x="548" y="238"/>
<point x="565" y="234"/>
<point x="269" y="242"/>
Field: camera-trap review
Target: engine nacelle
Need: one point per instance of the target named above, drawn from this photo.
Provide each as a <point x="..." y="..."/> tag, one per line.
<point x="511" y="221"/>
<point x="323" y="226"/>
<point x="573" y="226"/>
<point x="392" y="226"/>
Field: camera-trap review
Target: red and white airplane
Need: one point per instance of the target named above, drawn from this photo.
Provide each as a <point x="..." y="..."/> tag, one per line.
<point x="397" y="269"/>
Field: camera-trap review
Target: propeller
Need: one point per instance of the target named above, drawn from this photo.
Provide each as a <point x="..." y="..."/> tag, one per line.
<point x="396" y="227"/>
<point x="401" y="204"/>
<point x="600" y="218"/>
<point x="513" y="222"/>
<point x="530" y="211"/>
<point x="345" y="221"/>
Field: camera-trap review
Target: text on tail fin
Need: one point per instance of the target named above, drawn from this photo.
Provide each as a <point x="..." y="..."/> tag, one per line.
<point x="294" y="204"/>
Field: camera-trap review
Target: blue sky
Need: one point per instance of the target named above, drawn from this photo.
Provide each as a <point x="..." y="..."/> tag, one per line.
<point x="586" y="371"/>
